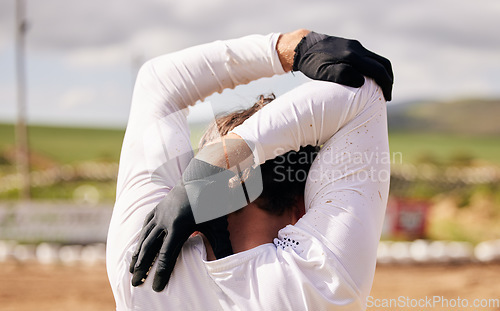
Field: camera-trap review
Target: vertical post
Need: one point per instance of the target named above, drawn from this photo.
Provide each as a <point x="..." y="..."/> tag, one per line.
<point x="21" y="126"/>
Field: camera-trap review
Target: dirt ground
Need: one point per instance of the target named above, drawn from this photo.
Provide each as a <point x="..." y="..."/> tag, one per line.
<point x="32" y="286"/>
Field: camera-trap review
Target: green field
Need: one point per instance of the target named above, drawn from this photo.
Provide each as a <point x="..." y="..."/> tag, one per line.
<point x="445" y="148"/>
<point x="67" y="145"/>
<point x="61" y="145"/>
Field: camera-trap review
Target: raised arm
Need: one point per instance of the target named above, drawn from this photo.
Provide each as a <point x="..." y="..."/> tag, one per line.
<point x="309" y="115"/>
<point x="156" y="148"/>
<point x="180" y="79"/>
<point x="157" y="129"/>
<point x="347" y="187"/>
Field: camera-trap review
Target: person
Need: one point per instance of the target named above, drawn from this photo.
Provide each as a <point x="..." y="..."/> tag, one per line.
<point x="322" y="260"/>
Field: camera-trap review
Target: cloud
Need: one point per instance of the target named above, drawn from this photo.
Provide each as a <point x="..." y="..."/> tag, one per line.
<point x="156" y="41"/>
<point x="71" y="24"/>
<point x="77" y="97"/>
<point x="446" y="22"/>
<point x="110" y="55"/>
<point x="106" y="105"/>
<point x="438" y="48"/>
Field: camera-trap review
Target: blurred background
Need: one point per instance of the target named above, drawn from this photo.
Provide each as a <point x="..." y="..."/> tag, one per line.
<point x="66" y="79"/>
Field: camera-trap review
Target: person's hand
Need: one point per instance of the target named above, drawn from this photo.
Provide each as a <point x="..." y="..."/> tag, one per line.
<point x="165" y="230"/>
<point x="343" y="61"/>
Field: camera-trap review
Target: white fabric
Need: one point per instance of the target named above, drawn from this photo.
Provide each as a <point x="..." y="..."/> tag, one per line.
<point x="327" y="260"/>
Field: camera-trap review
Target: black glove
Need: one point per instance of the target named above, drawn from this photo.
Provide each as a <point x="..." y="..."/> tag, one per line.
<point x="172" y="221"/>
<point x="166" y="229"/>
<point x="343" y="61"/>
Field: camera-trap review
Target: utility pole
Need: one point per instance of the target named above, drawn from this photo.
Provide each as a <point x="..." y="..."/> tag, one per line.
<point x="21" y="126"/>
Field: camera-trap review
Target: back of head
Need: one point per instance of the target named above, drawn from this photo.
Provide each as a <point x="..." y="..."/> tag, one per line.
<point x="283" y="177"/>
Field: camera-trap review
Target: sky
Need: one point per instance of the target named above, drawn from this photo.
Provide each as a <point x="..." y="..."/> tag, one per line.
<point x="82" y="56"/>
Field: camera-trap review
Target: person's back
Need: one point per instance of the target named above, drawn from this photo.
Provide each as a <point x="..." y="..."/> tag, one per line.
<point x="324" y="261"/>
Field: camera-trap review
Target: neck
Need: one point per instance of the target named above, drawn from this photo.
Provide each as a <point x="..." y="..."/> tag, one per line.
<point x="251" y="227"/>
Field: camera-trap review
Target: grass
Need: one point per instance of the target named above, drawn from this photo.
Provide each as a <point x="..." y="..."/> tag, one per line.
<point x="68" y="145"/>
<point x="444" y="148"/>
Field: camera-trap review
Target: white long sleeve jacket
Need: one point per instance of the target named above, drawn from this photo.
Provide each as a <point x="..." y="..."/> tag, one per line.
<point x="324" y="262"/>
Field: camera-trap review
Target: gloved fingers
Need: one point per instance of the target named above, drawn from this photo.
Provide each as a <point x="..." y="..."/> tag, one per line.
<point x="366" y="62"/>
<point x="146" y="229"/>
<point x="147" y="254"/>
<point x="218" y="236"/>
<point x="149" y="217"/>
<point x="339" y="50"/>
<point x="341" y="73"/>
<point x="332" y="51"/>
<point x="349" y="72"/>
<point x="377" y="71"/>
<point x="383" y="61"/>
<point x="167" y="258"/>
<point x="352" y="52"/>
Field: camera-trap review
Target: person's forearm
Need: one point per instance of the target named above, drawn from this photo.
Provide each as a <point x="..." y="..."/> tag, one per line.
<point x="286" y="47"/>
<point x="307" y="115"/>
<point x="236" y="147"/>
<point x="192" y="74"/>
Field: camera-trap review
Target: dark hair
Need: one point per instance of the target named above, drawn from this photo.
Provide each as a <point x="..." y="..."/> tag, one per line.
<point x="283" y="177"/>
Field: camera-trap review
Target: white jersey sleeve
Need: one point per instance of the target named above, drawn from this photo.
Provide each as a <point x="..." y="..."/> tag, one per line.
<point x="168" y="84"/>
<point x="347" y="186"/>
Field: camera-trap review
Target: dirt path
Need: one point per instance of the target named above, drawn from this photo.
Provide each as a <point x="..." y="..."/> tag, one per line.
<point x="461" y="285"/>
<point x="39" y="287"/>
